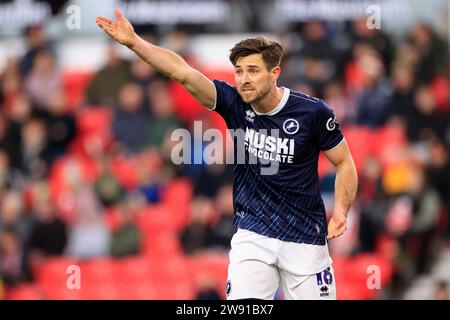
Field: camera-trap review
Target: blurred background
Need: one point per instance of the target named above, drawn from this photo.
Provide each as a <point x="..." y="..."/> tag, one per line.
<point x="86" y="177"/>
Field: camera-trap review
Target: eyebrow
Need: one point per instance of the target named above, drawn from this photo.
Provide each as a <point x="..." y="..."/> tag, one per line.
<point x="249" y="66"/>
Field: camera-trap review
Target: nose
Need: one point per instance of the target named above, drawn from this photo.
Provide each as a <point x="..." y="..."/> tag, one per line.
<point x="244" y="78"/>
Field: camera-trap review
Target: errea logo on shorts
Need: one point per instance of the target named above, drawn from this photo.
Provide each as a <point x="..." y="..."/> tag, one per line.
<point x="228" y="288"/>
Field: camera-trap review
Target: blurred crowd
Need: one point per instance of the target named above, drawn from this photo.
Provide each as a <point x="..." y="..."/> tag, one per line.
<point x="79" y="168"/>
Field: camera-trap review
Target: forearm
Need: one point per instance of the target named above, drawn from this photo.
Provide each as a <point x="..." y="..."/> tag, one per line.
<point x="346" y="184"/>
<point x="163" y="60"/>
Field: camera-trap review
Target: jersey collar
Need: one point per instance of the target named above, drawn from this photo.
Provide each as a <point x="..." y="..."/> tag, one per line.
<point x="278" y="107"/>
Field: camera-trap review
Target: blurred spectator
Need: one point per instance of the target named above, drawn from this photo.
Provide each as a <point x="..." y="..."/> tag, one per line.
<point x="424" y="211"/>
<point x="49" y="233"/>
<point x="10" y="83"/>
<point x="223" y="229"/>
<point x="212" y="178"/>
<point x="2" y="290"/>
<point x="127" y="240"/>
<point x="130" y="119"/>
<point x="163" y="119"/>
<point x="8" y="145"/>
<point x="89" y="237"/>
<point x="43" y="79"/>
<point x="433" y="52"/>
<point x="373" y="102"/>
<point x="12" y="257"/>
<point x="143" y="74"/>
<point x="438" y="173"/>
<point x="36" y="42"/>
<point x="401" y="104"/>
<point x="9" y="177"/>
<point x="107" y="186"/>
<point x="369" y="182"/>
<point x="61" y="128"/>
<point x="206" y="289"/>
<point x="441" y="291"/>
<point x="152" y="176"/>
<point x="197" y="235"/>
<point x="13" y="214"/>
<point x="34" y="152"/>
<point x="108" y="81"/>
<point x="344" y="109"/>
<point x="424" y="120"/>
<point x="373" y="37"/>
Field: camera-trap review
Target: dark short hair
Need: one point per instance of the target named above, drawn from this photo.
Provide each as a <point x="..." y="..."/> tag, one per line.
<point x="271" y="51"/>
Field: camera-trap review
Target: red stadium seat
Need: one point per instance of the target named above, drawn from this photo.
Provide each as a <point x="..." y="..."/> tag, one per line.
<point x="133" y="278"/>
<point x="358" y="140"/>
<point x="440" y="87"/>
<point x="74" y="84"/>
<point x="95" y="271"/>
<point x="179" y="190"/>
<point x="156" y="219"/>
<point x="25" y="292"/>
<point x="186" y="107"/>
<point x="213" y="266"/>
<point x="124" y="169"/>
<point x="97" y="279"/>
<point x="52" y="277"/>
<point x="172" y="278"/>
<point x="161" y="244"/>
<point x="386" y="142"/>
<point x="177" y="198"/>
<point x="100" y="291"/>
<point x="94" y="129"/>
<point x="352" y="274"/>
<point x="113" y="218"/>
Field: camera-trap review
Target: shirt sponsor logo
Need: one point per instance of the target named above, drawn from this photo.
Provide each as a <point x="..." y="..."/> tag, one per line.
<point x="331" y="124"/>
<point x="269" y="147"/>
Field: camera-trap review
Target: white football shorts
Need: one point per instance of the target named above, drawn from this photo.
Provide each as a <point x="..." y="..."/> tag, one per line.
<point x="259" y="265"/>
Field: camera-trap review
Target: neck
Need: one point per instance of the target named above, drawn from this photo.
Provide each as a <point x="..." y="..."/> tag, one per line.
<point x="270" y="101"/>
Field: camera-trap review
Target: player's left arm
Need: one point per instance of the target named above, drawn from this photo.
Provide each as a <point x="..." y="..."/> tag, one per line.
<point x="346" y="184"/>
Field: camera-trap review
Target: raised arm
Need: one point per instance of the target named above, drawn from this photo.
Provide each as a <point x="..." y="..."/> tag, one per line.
<point x="165" y="61"/>
<point x="346" y="185"/>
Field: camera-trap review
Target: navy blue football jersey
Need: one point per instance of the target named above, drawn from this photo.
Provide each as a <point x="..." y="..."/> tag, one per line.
<point x="285" y="204"/>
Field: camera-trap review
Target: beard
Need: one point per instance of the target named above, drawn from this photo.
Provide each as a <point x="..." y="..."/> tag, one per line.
<point x="259" y="95"/>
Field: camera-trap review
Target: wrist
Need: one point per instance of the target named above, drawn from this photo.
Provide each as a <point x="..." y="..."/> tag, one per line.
<point x="134" y="42"/>
<point x="340" y="211"/>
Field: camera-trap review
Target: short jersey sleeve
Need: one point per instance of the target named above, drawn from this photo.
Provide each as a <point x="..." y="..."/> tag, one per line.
<point x="226" y="96"/>
<point x="327" y="129"/>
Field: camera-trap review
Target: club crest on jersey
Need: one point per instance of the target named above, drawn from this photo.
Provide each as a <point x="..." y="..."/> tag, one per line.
<point x="291" y="126"/>
<point x="331" y="124"/>
<point x="250" y="115"/>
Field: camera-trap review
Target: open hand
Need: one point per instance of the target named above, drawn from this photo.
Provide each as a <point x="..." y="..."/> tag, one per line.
<point x="337" y="225"/>
<point x="120" y="30"/>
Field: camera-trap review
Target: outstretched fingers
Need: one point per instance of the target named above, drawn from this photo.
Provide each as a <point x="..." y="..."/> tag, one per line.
<point x="104" y="20"/>
<point x="107" y="29"/>
<point x="119" y="14"/>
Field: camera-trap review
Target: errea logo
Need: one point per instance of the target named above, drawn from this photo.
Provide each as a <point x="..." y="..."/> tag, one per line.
<point x="250" y="115"/>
